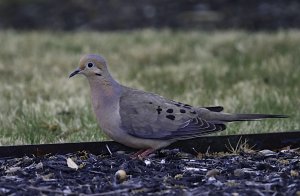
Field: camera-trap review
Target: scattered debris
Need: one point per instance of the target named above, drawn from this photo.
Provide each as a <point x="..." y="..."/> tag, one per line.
<point x="147" y="162"/>
<point x="12" y="169"/>
<point x="39" y="166"/>
<point x="212" y="173"/>
<point x="121" y="175"/>
<point x="267" y="153"/>
<point x="71" y="164"/>
<point x="165" y="173"/>
<point x="108" y="149"/>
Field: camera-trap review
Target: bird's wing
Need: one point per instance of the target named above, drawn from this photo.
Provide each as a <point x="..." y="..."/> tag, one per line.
<point x="150" y="116"/>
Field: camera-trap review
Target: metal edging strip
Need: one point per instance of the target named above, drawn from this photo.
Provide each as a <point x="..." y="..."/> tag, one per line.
<point x="271" y="141"/>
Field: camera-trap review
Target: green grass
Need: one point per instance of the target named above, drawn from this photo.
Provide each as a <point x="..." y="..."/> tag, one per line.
<point x="244" y="72"/>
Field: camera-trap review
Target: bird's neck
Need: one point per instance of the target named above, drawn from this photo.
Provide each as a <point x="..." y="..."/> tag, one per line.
<point x="104" y="92"/>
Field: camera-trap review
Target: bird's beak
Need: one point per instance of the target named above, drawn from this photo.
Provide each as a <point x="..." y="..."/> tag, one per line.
<point x="75" y="72"/>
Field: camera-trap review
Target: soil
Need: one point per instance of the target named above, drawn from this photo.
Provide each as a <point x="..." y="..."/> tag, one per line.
<point x="167" y="172"/>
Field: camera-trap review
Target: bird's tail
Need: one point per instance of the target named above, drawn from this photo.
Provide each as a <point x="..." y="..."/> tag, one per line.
<point x="226" y="117"/>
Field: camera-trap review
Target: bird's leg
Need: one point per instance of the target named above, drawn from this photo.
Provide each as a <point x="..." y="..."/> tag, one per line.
<point x="136" y="155"/>
<point x="145" y="153"/>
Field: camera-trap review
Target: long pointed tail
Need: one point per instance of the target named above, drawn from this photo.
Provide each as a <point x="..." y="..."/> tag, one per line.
<point x="248" y="117"/>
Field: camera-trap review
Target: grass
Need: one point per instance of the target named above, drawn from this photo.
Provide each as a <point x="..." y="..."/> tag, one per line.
<point x="245" y="72"/>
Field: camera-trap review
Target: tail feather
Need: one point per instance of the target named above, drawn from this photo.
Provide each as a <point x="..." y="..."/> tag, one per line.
<point x="250" y="117"/>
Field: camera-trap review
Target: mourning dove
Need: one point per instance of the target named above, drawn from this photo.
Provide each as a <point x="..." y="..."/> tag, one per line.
<point x="145" y="120"/>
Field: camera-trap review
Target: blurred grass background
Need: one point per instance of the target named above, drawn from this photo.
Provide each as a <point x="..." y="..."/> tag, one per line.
<point x="245" y="72"/>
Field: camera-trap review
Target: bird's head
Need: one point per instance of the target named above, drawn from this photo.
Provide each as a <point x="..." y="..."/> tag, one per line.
<point x="91" y="65"/>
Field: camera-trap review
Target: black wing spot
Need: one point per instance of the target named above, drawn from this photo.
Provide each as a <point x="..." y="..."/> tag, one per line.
<point x="150" y="102"/>
<point x="187" y="106"/>
<point x="177" y="104"/>
<point x="158" y="110"/>
<point x="215" y="108"/>
<point x="170" y="110"/>
<point x="193" y="112"/>
<point x="171" y="117"/>
<point x="182" y="111"/>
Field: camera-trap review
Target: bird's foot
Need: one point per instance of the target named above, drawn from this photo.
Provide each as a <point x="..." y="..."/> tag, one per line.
<point x="135" y="155"/>
<point x="141" y="154"/>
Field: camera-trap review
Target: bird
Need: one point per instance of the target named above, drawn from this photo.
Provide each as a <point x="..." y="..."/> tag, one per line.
<point x="144" y="120"/>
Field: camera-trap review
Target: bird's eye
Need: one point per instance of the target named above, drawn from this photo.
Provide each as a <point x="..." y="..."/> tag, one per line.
<point x="90" y="65"/>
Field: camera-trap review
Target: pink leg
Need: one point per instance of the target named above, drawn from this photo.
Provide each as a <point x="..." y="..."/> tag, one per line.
<point x="136" y="155"/>
<point x="145" y="153"/>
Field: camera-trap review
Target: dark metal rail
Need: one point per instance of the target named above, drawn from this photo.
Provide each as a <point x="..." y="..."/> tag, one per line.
<point x="271" y="141"/>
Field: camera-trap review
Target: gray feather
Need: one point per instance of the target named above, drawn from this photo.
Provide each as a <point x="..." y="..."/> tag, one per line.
<point x="150" y="116"/>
